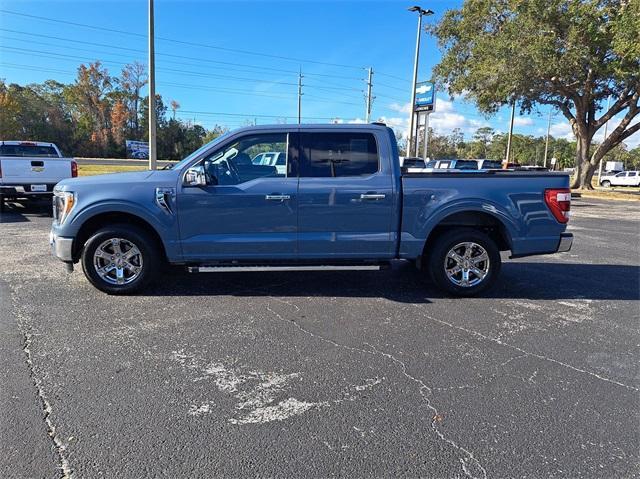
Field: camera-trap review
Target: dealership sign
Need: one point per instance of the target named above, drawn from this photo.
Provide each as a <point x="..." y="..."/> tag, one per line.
<point x="425" y="96"/>
<point x="137" y="149"/>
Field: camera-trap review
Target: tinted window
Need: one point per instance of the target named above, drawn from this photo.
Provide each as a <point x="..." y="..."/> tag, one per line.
<point x="491" y="164"/>
<point x="338" y="154"/>
<point x="247" y="158"/>
<point x="633" y="173"/>
<point x="621" y="174"/>
<point x="431" y="164"/>
<point x="466" y="165"/>
<point x="28" y="150"/>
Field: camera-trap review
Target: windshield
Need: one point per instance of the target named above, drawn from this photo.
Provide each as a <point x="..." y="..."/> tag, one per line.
<point x="199" y="151"/>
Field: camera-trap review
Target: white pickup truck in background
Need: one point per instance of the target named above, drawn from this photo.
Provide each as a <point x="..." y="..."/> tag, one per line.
<point x="30" y="169"/>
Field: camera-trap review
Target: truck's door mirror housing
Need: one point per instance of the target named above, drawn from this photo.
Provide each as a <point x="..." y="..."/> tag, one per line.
<point x="195" y="176"/>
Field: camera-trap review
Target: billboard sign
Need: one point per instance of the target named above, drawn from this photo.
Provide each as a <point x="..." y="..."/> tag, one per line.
<point x="137" y="149"/>
<point x="425" y="96"/>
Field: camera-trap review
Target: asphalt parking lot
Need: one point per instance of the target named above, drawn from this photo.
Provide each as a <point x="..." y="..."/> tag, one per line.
<point x="325" y="374"/>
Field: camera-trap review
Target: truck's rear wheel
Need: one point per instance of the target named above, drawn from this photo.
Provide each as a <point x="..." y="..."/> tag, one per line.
<point x="120" y="259"/>
<point x="464" y="262"/>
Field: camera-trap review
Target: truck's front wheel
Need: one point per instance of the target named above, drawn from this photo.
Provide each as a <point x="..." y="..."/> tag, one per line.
<point x="464" y="261"/>
<point x="120" y="259"/>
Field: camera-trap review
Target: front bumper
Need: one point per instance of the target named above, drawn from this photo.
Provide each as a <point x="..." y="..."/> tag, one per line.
<point x="566" y="240"/>
<point x="24" y="191"/>
<point x="61" y="247"/>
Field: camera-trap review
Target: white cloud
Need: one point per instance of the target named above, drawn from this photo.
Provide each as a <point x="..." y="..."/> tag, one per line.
<point x="522" y="121"/>
<point x="561" y="130"/>
<point x="404" y="108"/>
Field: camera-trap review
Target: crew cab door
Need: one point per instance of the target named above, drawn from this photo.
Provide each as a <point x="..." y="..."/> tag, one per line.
<point x="346" y="199"/>
<point x="247" y="210"/>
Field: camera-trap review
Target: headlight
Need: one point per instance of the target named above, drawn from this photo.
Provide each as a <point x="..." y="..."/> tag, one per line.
<point x="63" y="203"/>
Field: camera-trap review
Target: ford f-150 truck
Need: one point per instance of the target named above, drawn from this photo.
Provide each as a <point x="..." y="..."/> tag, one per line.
<point x="343" y="202"/>
<point x="30" y="169"/>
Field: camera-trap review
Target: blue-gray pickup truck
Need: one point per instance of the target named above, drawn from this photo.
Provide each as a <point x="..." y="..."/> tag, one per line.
<point x="306" y="197"/>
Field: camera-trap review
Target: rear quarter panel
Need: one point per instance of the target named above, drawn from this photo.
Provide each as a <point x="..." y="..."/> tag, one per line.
<point x="516" y="199"/>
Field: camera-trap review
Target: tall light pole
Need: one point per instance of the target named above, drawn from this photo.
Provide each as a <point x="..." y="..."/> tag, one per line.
<point x="546" y="143"/>
<point x="505" y="163"/>
<point x="152" y="93"/>
<point x="604" y="138"/>
<point x="421" y="12"/>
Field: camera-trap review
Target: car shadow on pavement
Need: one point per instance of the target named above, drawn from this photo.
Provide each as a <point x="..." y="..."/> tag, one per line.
<point x="18" y="212"/>
<point x="404" y="284"/>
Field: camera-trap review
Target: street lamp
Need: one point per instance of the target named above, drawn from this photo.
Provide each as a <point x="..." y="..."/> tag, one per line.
<point x="421" y="13"/>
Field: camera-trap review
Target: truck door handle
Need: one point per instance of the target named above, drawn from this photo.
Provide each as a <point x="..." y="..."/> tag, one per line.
<point x="371" y="196"/>
<point x="277" y="197"/>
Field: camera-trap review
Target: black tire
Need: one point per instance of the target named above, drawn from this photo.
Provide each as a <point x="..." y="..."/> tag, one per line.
<point x="150" y="261"/>
<point x="437" y="261"/>
<point x="606" y="184"/>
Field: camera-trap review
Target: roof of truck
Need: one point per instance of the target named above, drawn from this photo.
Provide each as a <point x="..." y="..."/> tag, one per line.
<point x="26" y="142"/>
<point x="315" y="126"/>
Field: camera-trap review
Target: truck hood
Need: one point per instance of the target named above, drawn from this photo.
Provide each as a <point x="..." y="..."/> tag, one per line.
<point x="113" y="179"/>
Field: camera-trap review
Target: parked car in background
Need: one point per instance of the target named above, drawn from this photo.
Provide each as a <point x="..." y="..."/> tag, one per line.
<point x="452" y="164"/>
<point x="342" y="203"/>
<point x="412" y="162"/>
<point x="272" y="158"/>
<point x="30" y="169"/>
<point x="624" y="178"/>
<point x="532" y="168"/>
<point x="489" y="164"/>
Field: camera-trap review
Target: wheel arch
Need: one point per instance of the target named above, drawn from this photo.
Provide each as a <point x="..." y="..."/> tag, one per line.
<point x="483" y="221"/>
<point x="100" y="220"/>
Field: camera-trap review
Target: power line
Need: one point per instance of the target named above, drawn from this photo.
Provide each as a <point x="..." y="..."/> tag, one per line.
<point x="390" y="76"/>
<point x="182" y="42"/>
<point x="209" y="75"/>
<point x="136" y="50"/>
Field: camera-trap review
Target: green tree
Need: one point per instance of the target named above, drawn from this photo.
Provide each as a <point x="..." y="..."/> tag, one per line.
<point x="568" y="54"/>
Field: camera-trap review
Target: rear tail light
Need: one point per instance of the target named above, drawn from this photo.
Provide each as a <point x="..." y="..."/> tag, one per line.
<point x="74" y="169"/>
<point x="559" y="202"/>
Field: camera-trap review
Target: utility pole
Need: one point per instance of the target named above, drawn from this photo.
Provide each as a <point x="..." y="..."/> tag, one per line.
<point x="369" y="97"/>
<point x="421" y="12"/>
<point x="505" y="163"/>
<point x="546" y="143"/>
<point x="300" y="97"/>
<point x="606" y="127"/>
<point x="152" y="93"/>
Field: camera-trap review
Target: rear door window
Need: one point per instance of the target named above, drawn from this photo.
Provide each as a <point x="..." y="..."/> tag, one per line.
<point x="339" y="154"/>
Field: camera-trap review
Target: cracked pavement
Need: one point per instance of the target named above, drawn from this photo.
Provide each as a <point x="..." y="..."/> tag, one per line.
<point x="352" y="374"/>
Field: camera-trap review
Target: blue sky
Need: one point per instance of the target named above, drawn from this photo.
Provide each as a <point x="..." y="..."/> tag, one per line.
<point x="332" y="42"/>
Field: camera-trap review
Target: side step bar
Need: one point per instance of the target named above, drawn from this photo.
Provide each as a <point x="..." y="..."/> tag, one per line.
<point x="232" y="269"/>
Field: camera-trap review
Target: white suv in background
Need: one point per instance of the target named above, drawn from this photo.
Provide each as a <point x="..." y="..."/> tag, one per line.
<point x="624" y="178"/>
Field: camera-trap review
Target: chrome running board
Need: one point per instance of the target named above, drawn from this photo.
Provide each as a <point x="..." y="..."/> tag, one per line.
<point x="232" y="269"/>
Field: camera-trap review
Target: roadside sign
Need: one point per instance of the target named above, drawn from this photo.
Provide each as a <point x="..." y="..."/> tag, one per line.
<point x="137" y="149"/>
<point x="425" y="96"/>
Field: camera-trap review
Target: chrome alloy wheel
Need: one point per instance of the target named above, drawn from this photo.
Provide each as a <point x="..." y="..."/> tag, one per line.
<point x="467" y="264"/>
<point x="117" y="261"/>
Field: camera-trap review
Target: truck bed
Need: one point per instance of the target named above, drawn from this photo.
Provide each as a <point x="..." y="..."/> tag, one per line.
<point x="514" y="198"/>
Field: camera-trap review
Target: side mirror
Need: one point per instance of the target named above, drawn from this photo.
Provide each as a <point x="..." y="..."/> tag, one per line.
<point x="195" y="176"/>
